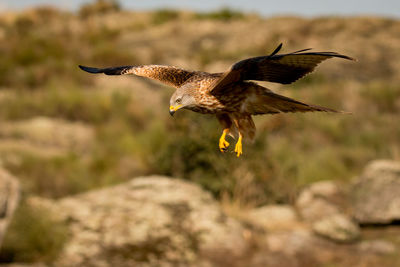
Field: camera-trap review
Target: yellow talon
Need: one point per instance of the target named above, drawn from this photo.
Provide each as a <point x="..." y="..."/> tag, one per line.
<point x="238" y="147"/>
<point x="223" y="144"/>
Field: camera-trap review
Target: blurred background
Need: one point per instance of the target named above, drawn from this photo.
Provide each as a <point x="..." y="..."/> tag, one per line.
<point x="64" y="132"/>
<point x="268" y="8"/>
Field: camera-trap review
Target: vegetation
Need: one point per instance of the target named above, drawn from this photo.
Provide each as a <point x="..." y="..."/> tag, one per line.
<point x="134" y="133"/>
<point x="33" y="236"/>
<point x="164" y="15"/>
<point x="224" y="14"/>
<point x="99" y="7"/>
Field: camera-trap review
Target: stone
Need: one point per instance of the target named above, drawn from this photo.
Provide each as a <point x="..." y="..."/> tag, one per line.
<point x="290" y="242"/>
<point x="319" y="200"/>
<point x="9" y="199"/>
<point x="377" y="246"/>
<point x="337" y="227"/>
<point x="146" y="222"/>
<point x="274" y="217"/>
<point x="375" y="194"/>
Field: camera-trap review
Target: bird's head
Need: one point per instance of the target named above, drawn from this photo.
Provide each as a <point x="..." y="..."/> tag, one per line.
<point x="182" y="98"/>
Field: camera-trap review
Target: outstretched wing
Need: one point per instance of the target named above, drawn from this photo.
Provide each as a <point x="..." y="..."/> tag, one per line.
<point x="167" y="74"/>
<point x="278" y="68"/>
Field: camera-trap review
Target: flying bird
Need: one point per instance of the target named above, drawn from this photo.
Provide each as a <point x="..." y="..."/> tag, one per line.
<point x="232" y="96"/>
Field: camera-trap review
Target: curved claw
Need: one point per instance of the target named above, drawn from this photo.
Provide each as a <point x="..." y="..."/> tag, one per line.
<point x="238" y="147"/>
<point x="223" y="144"/>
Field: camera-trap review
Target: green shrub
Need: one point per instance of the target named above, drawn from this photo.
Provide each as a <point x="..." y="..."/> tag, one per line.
<point x="162" y="16"/>
<point x="224" y="14"/>
<point x="33" y="236"/>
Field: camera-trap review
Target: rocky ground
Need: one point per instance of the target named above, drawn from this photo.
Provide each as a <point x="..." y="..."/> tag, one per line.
<point x="162" y="221"/>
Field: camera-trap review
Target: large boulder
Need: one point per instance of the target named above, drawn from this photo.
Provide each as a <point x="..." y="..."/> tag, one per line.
<point x="9" y="197"/>
<point x="324" y="206"/>
<point x="146" y="222"/>
<point x="376" y="193"/>
<point x="319" y="200"/>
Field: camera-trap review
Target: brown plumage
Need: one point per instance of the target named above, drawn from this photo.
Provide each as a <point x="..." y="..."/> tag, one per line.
<point x="230" y="95"/>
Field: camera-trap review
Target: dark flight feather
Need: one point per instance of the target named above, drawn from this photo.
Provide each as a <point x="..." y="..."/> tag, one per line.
<point x="278" y="68"/>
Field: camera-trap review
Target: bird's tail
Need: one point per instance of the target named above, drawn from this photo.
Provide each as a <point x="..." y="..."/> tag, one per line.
<point x="270" y="102"/>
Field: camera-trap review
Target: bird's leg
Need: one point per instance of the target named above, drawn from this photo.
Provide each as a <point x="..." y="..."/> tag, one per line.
<point x="223" y="144"/>
<point x="238" y="147"/>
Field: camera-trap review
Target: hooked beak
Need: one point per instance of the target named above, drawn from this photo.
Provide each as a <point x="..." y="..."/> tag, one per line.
<point x="173" y="109"/>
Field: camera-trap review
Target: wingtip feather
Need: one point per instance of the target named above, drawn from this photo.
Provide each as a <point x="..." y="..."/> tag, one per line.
<point x="345" y="57"/>
<point x="334" y="54"/>
<point x="352" y="58"/>
<point x="90" y="69"/>
<point x="276" y="50"/>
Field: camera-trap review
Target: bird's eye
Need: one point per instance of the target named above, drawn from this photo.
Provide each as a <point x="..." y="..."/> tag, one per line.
<point x="179" y="100"/>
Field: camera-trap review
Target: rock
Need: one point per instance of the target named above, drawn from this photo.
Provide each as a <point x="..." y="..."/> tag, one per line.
<point x="9" y="198"/>
<point x="290" y="242"/>
<point x="376" y="193"/>
<point x="337" y="227"/>
<point x="274" y="217"/>
<point x="377" y="246"/>
<point x="319" y="200"/>
<point x="146" y="222"/>
<point x="44" y="136"/>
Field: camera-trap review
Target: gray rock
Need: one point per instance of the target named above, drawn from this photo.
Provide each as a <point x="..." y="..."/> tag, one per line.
<point x="376" y="193"/>
<point x="290" y="242"/>
<point x="9" y="198"/>
<point x="337" y="227"/>
<point x="377" y="247"/>
<point x="145" y="222"/>
<point x="274" y="217"/>
<point x="319" y="200"/>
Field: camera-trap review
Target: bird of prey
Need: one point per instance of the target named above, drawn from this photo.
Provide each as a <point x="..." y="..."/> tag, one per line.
<point x="232" y="96"/>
